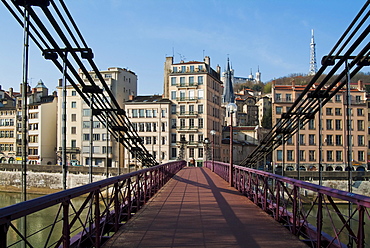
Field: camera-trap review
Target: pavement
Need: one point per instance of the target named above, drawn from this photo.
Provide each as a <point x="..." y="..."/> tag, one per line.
<point x="197" y="208"/>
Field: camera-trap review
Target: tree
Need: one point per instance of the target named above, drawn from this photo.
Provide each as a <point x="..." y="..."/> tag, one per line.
<point x="267" y="119"/>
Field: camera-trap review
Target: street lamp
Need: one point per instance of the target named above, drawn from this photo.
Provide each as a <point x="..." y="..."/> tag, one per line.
<point x="231" y="109"/>
<point x="213" y="133"/>
<point x="206" y="142"/>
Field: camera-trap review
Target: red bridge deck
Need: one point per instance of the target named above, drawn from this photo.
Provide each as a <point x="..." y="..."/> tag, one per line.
<point x="198" y="209"/>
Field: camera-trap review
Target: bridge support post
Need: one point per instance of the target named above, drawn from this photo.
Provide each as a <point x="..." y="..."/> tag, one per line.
<point x="66" y="228"/>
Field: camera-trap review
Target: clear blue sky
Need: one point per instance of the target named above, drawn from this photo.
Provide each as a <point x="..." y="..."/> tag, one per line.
<point x="138" y="35"/>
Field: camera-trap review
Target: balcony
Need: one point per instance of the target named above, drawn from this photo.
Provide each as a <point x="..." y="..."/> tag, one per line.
<point x="187" y="85"/>
<point x="187" y="114"/>
<point x="187" y="129"/>
<point x="187" y="99"/>
<point x="283" y="100"/>
<point x="70" y="149"/>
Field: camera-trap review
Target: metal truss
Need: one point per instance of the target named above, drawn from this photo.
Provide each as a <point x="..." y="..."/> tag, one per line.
<point x="349" y="55"/>
<point x="55" y="33"/>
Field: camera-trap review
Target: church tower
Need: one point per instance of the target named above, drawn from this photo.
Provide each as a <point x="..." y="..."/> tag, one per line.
<point x="228" y="95"/>
<point x="313" y="66"/>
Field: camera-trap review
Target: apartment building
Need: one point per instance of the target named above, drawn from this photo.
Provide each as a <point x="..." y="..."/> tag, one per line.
<point x="334" y="131"/>
<point x="150" y="117"/>
<point x="195" y="90"/>
<point x="106" y="152"/>
<point x="8" y="129"/>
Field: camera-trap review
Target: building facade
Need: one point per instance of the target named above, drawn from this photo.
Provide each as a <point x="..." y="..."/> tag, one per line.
<point x="334" y="131"/>
<point x="106" y="152"/>
<point x="150" y="117"/>
<point x="195" y="90"/>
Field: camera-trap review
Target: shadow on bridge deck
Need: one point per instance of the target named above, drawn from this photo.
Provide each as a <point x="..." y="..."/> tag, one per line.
<point x="198" y="209"/>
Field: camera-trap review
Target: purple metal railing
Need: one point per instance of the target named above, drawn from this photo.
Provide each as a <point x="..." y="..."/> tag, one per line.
<point x="106" y="205"/>
<point x="320" y="216"/>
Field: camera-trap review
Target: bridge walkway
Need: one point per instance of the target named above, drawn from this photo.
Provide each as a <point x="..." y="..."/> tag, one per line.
<point x="199" y="209"/>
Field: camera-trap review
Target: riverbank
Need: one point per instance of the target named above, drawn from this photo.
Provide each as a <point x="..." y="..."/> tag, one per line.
<point x="30" y="190"/>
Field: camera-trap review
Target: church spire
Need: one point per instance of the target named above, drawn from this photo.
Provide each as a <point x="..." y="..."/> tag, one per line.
<point x="228" y="96"/>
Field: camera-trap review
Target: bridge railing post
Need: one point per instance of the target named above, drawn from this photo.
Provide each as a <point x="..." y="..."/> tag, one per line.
<point x="97" y="218"/>
<point x="66" y="230"/>
<point x="117" y="211"/>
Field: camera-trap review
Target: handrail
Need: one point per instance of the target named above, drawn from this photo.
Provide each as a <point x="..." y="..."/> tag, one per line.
<point x="110" y="202"/>
<point x="301" y="206"/>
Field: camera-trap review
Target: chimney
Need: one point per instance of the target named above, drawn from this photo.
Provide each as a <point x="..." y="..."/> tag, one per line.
<point x="207" y="60"/>
<point x="55" y="93"/>
<point x="11" y="92"/>
<point x="34" y="90"/>
<point x="360" y="85"/>
<point x="131" y="97"/>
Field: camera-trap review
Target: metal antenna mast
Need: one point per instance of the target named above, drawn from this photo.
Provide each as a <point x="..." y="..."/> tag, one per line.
<point x="313" y="66"/>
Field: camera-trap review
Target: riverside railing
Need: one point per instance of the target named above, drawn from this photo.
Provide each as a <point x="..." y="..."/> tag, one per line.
<point x="84" y="216"/>
<point x="320" y="216"/>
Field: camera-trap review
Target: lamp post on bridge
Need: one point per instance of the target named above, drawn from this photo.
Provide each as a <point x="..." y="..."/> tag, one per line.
<point x="231" y="109"/>
<point x="213" y="133"/>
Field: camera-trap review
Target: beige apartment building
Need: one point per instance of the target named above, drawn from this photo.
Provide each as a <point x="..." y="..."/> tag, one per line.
<point x="150" y="117"/>
<point x="106" y="152"/>
<point x="195" y="90"/>
<point x="334" y="133"/>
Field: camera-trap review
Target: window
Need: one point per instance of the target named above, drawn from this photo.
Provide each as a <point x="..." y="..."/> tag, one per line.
<point x="96" y="124"/>
<point x="311" y="124"/>
<point x="173" y="153"/>
<point x="191" y="138"/>
<point x="191" y="81"/>
<point x="154" y="124"/>
<point x="182" y="81"/>
<point x="182" y="123"/>
<point x="360" y="156"/>
<point x="200" y="67"/>
<point x="135" y="113"/>
<point x="86" y="136"/>
<point x="86" y="124"/>
<point x="279" y="110"/>
<point x="191" y="109"/>
<point x="73" y="117"/>
<point x="290" y="141"/>
<point x="191" y="152"/>
<point x="338" y="124"/>
<point x="288" y="97"/>
<point x="73" y="130"/>
<point x="173" y="138"/>
<point x="338" y="156"/>
<point x="200" y="123"/>
<point x="200" y="109"/>
<point x="174" y="69"/>
<point x="279" y="155"/>
<point x="73" y="143"/>
<point x="73" y="105"/>
<point x="337" y="98"/>
<point x="329" y="140"/>
<point x="182" y="109"/>
<point x="104" y="137"/>
<point x="148" y="113"/>
<point x="360" y="125"/>
<point x="200" y="80"/>
<point x="173" y="110"/>
<point x="163" y="127"/>
<point x="360" y="112"/>
<point x="173" y="81"/>
<point x="182" y="95"/>
<point x="290" y="155"/>
<point x="311" y="139"/>
<point x="329" y="156"/>
<point x="338" y="140"/>
<point x="173" y="123"/>
<point x="141" y="113"/>
<point x="329" y="111"/>
<point x="173" y="95"/>
<point x="183" y="68"/>
<point x="105" y="150"/>
<point x="200" y="94"/>
<point x="191" y="68"/>
<point x="200" y="138"/>
<point x="74" y="93"/>
<point x="96" y="136"/>
<point x="191" y="94"/>
<point x="163" y="140"/>
<point x="338" y="111"/>
<point x="311" y="155"/>
<point x="278" y="97"/>
<point x="200" y="152"/>
<point x="329" y="124"/>
<point x="191" y="123"/>
<point x="148" y="126"/>
<point x="148" y="140"/>
<point x="86" y="112"/>
<point x="301" y="155"/>
<point x="141" y="127"/>
<point x="301" y="139"/>
<point x="361" y="140"/>
<point x="154" y="140"/>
